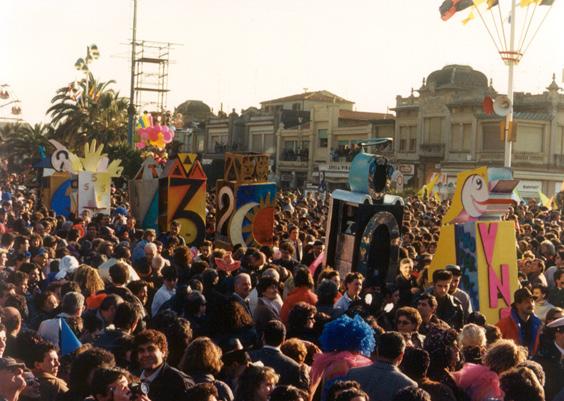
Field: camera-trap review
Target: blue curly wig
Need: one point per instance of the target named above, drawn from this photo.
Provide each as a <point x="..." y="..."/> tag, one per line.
<point x="346" y="334"/>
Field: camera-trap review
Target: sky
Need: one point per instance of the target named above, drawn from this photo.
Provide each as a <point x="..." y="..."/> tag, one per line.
<point x="241" y="52"/>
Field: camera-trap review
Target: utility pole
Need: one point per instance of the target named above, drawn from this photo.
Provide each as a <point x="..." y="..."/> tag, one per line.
<point x="131" y="122"/>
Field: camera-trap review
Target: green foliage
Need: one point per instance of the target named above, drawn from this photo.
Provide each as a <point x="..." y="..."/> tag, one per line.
<point x="130" y="158"/>
<point x="80" y="115"/>
<point x="20" y="143"/>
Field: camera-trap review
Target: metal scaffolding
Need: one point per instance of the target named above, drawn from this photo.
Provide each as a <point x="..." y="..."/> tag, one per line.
<point x="151" y="75"/>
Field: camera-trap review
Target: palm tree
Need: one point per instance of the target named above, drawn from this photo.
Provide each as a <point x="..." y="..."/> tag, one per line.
<point x="80" y="115"/>
<point x="23" y="142"/>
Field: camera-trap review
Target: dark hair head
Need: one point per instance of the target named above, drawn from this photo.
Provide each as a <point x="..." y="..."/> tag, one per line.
<point x="493" y="333"/>
<point x="251" y="379"/>
<point x="477" y="318"/>
<point x="126" y="316"/>
<point x="340" y="386"/>
<point x="412" y="393"/>
<point x="151" y="336"/>
<point x="415" y="363"/>
<point x="522" y="294"/>
<point x="119" y="273"/>
<point x="542" y="288"/>
<point x="201" y="392"/>
<point x="169" y="273"/>
<point x="288" y="393"/>
<point x="274" y="333"/>
<point x="537" y="369"/>
<point x="84" y="364"/>
<point x="112" y="300"/>
<point x="391" y="345"/>
<point x="303" y="278"/>
<point x="410" y="313"/>
<point x="430" y="298"/>
<point x="202" y="356"/>
<point x="103" y="377"/>
<point x="38" y="351"/>
<point x="521" y="384"/>
<point x="299" y="315"/>
<point x="350" y="394"/>
<point x="441" y="275"/>
<point x="264" y="283"/>
<point x="326" y="292"/>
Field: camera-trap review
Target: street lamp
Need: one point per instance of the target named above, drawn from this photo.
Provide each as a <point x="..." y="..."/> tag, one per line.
<point x="92" y="53"/>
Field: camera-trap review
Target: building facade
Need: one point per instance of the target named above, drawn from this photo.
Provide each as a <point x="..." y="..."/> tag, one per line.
<point x="445" y="130"/>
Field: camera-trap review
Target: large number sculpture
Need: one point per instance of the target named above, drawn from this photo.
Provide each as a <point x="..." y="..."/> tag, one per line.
<point x="144" y="194"/>
<point x="80" y="183"/>
<point x="182" y="197"/>
<point x="245" y="201"/>
<point x="364" y="223"/>
<point x="473" y="237"/>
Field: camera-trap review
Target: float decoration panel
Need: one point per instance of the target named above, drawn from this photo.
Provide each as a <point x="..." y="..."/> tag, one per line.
<point x="182" y="197"/>
<point x="473" y="237"/>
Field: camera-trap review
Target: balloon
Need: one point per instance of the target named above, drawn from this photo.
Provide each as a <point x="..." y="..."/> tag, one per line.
<point x="167" y="135"/>
<point x="159" y="143"/>
<point x="143" y="133"/>
<point x="153" y="134"/>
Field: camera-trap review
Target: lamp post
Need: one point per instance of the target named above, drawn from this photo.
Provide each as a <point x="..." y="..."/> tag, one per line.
<point x="92" y="53"/>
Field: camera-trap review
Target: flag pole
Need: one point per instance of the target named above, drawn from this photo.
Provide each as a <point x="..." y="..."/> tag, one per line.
<point x="512" y="59"/>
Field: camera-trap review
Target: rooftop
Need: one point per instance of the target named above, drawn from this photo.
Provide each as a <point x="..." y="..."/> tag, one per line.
<point x="317" y="96"/>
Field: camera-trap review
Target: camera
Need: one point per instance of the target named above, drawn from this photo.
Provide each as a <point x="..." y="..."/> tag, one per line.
<point x="138" y="389"/>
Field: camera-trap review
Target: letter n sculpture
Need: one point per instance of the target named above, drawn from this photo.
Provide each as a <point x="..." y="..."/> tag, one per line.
<point x="182" y="197"/>
<point x="474" y="237"/>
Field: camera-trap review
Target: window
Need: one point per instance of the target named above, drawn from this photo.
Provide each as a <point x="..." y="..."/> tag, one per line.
<point x="290" y="145"/>
<point x="322" y="135"/>
<point x="461" y="137"/>
<point x="268" y="143"/>
<point x="296" y="106"/>
<point x="529" y="138"/>
<point x="433" y="130"/>
<point x="408" y="138"/>
<point x="218" y="143"/>
<point x="256" y="143"/>
<point x="305" y="144"/>
<point x="491" y="137"/>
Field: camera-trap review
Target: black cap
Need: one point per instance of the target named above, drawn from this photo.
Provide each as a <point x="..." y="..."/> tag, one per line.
<point x="522" y="294"/>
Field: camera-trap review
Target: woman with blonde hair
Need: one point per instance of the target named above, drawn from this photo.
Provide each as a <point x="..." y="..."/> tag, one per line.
<point x="472" y="340"/>
<point x="89" y="280"/>
<point x="481" y="382"/>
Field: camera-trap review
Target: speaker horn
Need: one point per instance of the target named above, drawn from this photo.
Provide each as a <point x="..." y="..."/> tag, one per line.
<point x="502" y="105"/>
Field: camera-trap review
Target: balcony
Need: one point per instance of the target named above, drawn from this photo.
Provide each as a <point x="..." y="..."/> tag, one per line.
<point x="434" y="150"/>
<point x="528" y="158"/>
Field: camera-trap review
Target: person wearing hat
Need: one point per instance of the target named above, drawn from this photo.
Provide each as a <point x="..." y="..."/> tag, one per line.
<point x="12" y="381"/>
<point x="522" y="326"/>
<point x="551" y="358"/>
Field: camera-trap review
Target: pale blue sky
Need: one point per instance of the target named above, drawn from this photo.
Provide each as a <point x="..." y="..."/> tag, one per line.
<point x="241" y="52"/>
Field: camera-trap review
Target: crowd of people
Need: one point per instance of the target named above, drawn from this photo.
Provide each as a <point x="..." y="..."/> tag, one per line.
<point x="93" y="307"/>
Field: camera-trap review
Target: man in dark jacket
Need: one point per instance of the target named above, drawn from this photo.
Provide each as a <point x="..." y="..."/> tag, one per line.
<point x="270" y="355"/>
<point x="119" y="340"/>
<point x="165" y="382"/>
<point x="551" y="357"/>
<point x="382" y="380"/>
<point x="449" y="309"/>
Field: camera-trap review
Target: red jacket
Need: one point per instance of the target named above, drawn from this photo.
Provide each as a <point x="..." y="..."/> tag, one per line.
<point x="300" y="294"/>
<point x="510" y="329"/>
